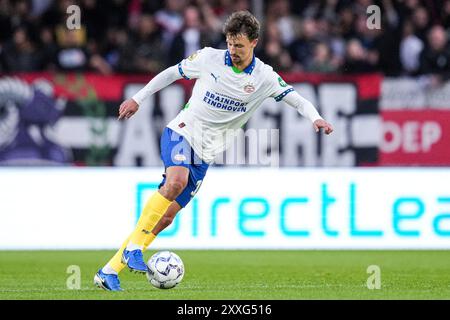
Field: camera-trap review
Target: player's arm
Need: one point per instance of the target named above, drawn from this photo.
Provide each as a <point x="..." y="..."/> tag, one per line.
<point x="306" y="109"/>
<point x="280" y="90"/>
<point x="189" y="68"/>
<point x="162" y="80"/>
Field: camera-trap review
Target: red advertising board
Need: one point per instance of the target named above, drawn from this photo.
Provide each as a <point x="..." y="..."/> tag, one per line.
<point x="415" y="137"/>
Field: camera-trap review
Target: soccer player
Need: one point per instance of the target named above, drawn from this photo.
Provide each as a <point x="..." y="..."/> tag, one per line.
<point x="231" y="84"/>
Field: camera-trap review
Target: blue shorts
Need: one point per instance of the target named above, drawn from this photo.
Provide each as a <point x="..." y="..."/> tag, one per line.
<point x="176" y="151"/>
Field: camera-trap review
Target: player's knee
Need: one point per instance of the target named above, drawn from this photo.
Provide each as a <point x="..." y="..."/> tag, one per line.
<point x="176" y="186"/>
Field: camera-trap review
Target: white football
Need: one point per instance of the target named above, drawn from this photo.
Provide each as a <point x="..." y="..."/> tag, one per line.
<point x="165" y="270"/>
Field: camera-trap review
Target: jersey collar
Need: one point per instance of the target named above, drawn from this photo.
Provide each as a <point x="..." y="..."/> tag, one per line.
<point x="247" y="70"/>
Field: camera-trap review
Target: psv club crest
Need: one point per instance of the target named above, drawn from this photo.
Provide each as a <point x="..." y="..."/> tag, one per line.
<point x="249" y="88"/>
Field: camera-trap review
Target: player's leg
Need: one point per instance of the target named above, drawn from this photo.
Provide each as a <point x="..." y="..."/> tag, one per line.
<point x="130" y="253"/>
<point x="167" y="219"/>
<point x="163" y="223"/>
<point x="197" y="172"/>
<point x="175" y="152"/>
<point x="156" y="207"/>
<point x="175" y="181"/>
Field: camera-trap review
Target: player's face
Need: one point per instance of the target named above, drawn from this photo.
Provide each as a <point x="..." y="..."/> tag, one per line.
<point x="240" y="48"/>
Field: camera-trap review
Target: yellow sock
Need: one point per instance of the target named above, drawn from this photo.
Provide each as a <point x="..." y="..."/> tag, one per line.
<point x="148" y="240"/>
<point x="116" y="261"/>
<point x="155" y="208"/>
<point x="153" y="211"/>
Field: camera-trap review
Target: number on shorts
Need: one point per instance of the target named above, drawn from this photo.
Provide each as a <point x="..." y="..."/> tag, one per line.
<point x="199" y="183"/>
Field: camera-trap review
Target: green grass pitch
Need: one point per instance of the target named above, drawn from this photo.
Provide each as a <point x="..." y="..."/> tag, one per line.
<point x="217" y="274"/>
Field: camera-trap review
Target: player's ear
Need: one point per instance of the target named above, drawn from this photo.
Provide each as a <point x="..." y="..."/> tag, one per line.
<point x="254" y="43"/>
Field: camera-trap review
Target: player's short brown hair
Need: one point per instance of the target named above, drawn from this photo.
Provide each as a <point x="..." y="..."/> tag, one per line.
<point x="242" y="22"/>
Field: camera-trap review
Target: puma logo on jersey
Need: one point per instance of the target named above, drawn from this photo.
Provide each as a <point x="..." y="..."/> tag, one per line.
<point x="215" y="78"/>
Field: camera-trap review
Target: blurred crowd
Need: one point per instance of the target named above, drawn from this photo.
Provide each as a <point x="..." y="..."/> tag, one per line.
<point x="146" y="36"/>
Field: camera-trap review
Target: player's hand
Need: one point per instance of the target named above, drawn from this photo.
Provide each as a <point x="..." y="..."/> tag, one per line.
<point x="322" y="124"/>
<point x="127" y="109"/>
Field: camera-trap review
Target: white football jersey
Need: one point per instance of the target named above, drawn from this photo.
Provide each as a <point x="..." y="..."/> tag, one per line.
<point x="222" y="98"/>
